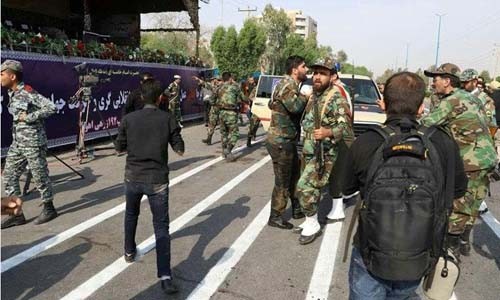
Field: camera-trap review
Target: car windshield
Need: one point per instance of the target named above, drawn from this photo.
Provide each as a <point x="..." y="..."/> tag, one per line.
<point x="365" y="91"/>
<point x="266" y="85"/>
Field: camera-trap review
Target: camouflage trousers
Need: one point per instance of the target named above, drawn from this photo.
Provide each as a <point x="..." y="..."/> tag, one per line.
<point x="228" y="128"/>
<point x="465" y="209"/>
<point x="213" y="119"/>
<point x="15" y="165"/>
<point x="310" y="185"/>
<point x="286" y="173"/>
<point x="175" y="108"/>
<point x="253" y="126"/>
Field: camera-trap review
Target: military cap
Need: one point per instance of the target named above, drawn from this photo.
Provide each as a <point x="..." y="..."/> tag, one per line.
<point x="13" y="65"/>
<point x="468" y="75"/>
<point x="495" y="85"/>
<point x="177" y="77"/>
<point x="326" y="63"/>
<point x="444" y="69"/>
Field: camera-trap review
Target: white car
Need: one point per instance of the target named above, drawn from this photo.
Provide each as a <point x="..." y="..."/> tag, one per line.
<point x="364" y="91"/>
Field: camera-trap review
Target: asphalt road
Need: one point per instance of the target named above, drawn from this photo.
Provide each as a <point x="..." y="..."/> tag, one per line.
<point x="221" y="246"/>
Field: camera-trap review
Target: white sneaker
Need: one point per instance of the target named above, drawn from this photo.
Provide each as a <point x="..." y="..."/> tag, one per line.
<point x="337" y="211"/>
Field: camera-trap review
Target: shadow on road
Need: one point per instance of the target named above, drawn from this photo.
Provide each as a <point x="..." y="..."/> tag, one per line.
<point x="177" y="165"/>
<point x="194" y="268"/>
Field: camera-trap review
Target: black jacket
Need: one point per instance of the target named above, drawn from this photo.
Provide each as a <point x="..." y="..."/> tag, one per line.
<point x="145" y="135"/>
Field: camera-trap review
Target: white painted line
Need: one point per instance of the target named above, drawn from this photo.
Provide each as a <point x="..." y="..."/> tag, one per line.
<point x="319" y="285"/>
<point x="493" y="223"/>
<point x="208" y="286"/>
<point x="69" y="233"/>
<point x="453" y="296"/>
<point x="100" y="279"/>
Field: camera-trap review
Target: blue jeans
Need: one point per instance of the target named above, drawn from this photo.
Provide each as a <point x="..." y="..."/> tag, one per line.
<point x="158" y="201"/>
<point x="365" y="286"/>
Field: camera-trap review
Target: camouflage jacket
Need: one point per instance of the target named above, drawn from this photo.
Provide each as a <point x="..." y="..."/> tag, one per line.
<point x="173" y="92"/>
<point x="31" y="131"/>
<point x="462" y="114"/>
<point x="229" y="96"/>
<point x="335" y="115"/>
<point x="287" y="106"/>
<point x="213" y="88"/>
<point x="489" y="106"/>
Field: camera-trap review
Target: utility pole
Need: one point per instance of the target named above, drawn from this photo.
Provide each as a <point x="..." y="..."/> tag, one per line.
<point x="248" y="10"/>
<point x="439" y="35"/>
<point x="497" y="52"/>
<point x="406" y="62"/>
<point x="221" y="12"/>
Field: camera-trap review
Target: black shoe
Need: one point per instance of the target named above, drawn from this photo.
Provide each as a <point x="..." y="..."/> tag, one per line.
<point x="249" y="142"/>
<point x="11" y="221"/>
<point x="168" y="286"/>
<point x="207" y="141"/>
<point x="296" y="209"/>
<point x="278" y="222"/>
<point x="465" y="241"/>
<point x="453" y="244"/>
<point x="48" y="213"/>
<point x="307" y="239"/>
<point x="130" y="258"/>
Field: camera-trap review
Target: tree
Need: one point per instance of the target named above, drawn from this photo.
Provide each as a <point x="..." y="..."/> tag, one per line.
<point x="383" y="78"/>
<point x="341" y="56"/>
<point x="251" y="46"/>
<point x="357" y="70"/>
<point x="498" y="78"/>
<point x="486" y="76"/>
<point x="277" y="26"/>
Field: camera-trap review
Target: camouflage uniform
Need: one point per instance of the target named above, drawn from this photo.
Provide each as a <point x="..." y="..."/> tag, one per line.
<point x="29" y="141"/>
<point x="287" y="106"/>
<point x="254" y="123"/>
<point x="462" y="114"/>
<point x="213" y="116"/>
<point x="335" y="115"/>
<point x="174" y="97"/>
<point x="229" y="98"/>
<point x="489" y="107"/>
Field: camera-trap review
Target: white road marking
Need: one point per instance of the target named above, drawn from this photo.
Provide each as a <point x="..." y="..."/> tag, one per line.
<point x="217" y="274"/>
<point x="319" y="285"/>
<point x="100" y="279"/>
<point x="69" y="233"/>
<point x="493" y="223"/>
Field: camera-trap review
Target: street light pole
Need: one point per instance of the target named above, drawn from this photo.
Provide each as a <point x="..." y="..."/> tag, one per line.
<point x="439" y="35"/>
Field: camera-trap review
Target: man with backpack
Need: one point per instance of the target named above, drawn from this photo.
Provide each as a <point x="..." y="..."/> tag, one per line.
<point x="408" y="176"/>
<point x="464" y="117"/>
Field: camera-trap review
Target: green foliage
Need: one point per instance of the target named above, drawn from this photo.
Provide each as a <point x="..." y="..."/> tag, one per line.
<point x="251" y="46"/>
<point x="357" y="70"/>
<point x="341" y="56"/>
<point x="498" y="78"/>
<point x="278" y="26"/>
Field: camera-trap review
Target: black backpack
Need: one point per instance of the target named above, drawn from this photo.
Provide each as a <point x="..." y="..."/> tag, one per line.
<point x="403" y="215"/>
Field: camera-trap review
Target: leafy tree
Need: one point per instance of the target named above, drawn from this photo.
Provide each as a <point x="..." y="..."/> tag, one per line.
<point x="251" y="46"/>
<point x="277" y="26"/>
<point x="498" y="78"/>
<point x="357" y="70"/>
<point x="383" y="78"/>
<point x="341" y="56"/>
<point x="486" y="75"/>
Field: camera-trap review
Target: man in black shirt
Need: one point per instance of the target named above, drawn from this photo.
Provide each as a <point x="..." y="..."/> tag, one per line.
<point x="145" y="135"/>
<point x="403" y="98"/>
<point x="134" y="101"/>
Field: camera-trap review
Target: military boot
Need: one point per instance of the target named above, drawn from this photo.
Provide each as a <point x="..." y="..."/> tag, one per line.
<point x="229" y="155"/>
<point x="453" y="244"/>
<point x="249" y="141"/>
<point x="48" y="213"/>
<point x="275" y="220"/>
<point x="208" y="140"/>
<point x="465" y="241"/>
<point x="13" y="220"/>
<point x="296" y="209"/>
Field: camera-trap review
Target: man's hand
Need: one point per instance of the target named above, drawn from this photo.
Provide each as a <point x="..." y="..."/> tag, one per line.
<point x="11" y="205"/>
<point x="322" y="133"/>
<point x="22" y="116"/>
<point x="307" y="94"/>
<point x="381" y="104"/>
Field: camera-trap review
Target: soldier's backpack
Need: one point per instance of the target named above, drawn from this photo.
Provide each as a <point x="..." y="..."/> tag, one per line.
<point x="403" y="214"/>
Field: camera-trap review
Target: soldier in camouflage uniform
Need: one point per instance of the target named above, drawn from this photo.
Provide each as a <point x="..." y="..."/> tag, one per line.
<point x="326" y="123"/>
<point x="229" y="98"/>
<point x="213" y="115"/>
<point x="287" y="106"/>
<point x="254" y="122"/>
<point x="173" y="92"/>
<point x="463" y="115"/>
<point x="470" y="84"/>
<point x="29" y="141"/>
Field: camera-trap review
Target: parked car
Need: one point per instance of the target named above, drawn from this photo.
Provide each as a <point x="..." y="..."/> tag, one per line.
<point x="363" y="90"/>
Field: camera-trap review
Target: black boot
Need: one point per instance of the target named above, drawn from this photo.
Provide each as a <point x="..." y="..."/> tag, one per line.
<point x="296" y="209"/>
<point x="48" y="213"/>
<point x="465" y="241"/>
<point x="249" y="141"/>
<point x="453" y="243"/>
<point x="168" y="286"/>
<point x="229" y="155"/>
<point x="275" y="220"/>
<point x="208" y="140"/>
<point x="13" y="220"/>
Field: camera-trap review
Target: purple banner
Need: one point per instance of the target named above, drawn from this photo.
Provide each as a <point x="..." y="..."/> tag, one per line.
<point x="54" y="77"/>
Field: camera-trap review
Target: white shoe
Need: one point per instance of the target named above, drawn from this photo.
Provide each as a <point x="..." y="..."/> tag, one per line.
<point x="483" y="208"/>
<point x="337" y="211"/>
<point x="347" y="197"/>
<point x="310" y="226"/>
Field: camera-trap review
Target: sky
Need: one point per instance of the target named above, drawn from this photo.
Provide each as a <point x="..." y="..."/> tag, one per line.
<point x="377" y="33"/>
